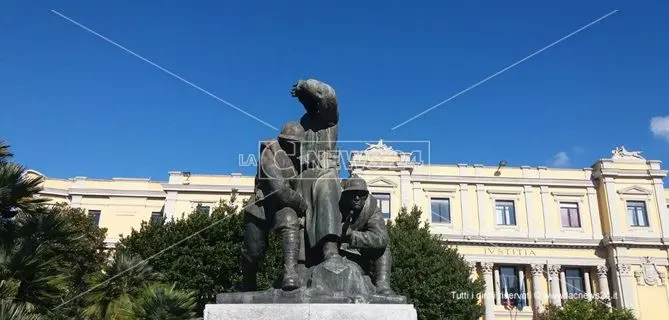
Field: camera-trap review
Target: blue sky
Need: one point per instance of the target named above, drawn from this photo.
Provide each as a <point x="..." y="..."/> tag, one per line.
<point x="95" y="110"/>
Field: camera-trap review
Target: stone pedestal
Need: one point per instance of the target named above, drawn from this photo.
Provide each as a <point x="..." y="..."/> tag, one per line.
<point x="305" y="311"/>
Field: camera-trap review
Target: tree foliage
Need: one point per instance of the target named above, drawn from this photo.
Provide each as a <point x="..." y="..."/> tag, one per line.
<point x="583" y="309"/>
<point x="51" y="254"/>
<point x="434" y="277"/>
<point x="200" y="252"/>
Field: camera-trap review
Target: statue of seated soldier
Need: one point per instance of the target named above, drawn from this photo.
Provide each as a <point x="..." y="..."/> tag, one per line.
<point x="365" y="237"/>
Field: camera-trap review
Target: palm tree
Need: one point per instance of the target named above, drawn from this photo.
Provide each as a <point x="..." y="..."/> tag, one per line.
<point x="31" y="272"/>
<point x="114" y="289"/>
<point x="32" y="276"/>
<point x="18" y="193"/>
<point x="161" y="302"/>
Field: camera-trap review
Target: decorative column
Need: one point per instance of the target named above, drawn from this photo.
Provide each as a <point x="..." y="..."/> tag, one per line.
<point x="603" y="282"/>
<point x="586" y="279"/>
<point x="473" y="274"/>
<point x="498" y="290"/>
<point x="626" y="285"/>
<point x="554" y="284"/>
<point x="537" y="295"/>
<point x="488" y="298"/>
<point x="563" y="285"/>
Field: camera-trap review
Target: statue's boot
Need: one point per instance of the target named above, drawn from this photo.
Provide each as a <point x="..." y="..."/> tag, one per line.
<point x="291" y="251"/>
<point x="382" y="268"/>
<point x="249" y="275"/>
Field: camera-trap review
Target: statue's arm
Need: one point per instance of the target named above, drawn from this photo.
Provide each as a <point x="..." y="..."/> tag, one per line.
<point x="373" y="236"/>
<point x="281" y="185"/>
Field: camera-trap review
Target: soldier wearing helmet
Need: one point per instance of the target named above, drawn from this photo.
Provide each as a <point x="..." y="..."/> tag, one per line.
<point x="365" y="237"/>
<point x="275" y="204"/>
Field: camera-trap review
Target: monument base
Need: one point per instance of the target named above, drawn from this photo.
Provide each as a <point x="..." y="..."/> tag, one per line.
<point x="306" y="311"/>
<point x="305" y="295"/>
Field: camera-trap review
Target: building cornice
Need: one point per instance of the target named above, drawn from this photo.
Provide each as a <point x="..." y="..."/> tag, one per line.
<point x="54" y="191"/>
<point x="222" y="188"/>
<point x="632" y="241"/>
<point x="522" y="241"/>
<point x="502" y="181"/>
<point x="116" y="193"/>
<point x="629" y="173"/>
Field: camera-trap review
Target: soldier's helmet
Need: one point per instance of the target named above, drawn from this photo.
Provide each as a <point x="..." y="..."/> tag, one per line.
<point x="292" y="131"/>
<point x="356" y="184"/>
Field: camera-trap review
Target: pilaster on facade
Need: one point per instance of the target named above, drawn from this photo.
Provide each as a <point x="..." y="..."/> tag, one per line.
<point x="467" y="223"/>
<point x="170" y="204"/>
<point x="662" y="209"/>
<point x="545" y="205"/>
<point x="595" y="217"/>
<point x="625" y="286"/>
<point x="530" y="214"/>
<point x="483" y="212"/>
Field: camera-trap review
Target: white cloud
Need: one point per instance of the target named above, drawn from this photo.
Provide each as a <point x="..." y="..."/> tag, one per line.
<point x="660" y="127"/>
<point x="561" y="159"/>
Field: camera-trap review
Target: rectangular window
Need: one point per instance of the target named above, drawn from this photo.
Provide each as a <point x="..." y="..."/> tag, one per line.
<point x="441" y="210"/>
<point x="636" y="213"/>
<point x="575" y="283"/>
<point x="203" y="209"/>
<point x="156" y="217"/>
<point x="509" y="285"/>
<point x="383" y="201"/>
<point x="569" y="215"/>
<point x="506" y="213"/>
<point x="95" y="215"/>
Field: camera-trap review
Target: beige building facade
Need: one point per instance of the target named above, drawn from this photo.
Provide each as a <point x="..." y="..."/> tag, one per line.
<point x="535" y="235"/>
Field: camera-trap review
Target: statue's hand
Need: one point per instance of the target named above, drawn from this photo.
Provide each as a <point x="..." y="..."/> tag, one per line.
<point x="296" y="88"/>
<point x="303" y="207"/>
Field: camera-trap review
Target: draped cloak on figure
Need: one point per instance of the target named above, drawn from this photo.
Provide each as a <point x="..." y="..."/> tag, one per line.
<point x="319" y="183"/>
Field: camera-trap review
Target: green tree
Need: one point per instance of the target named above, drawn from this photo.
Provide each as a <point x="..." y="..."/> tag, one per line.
<point x="435" y="278"/>
<point x="161" y="302"/>
<point x="583" y="309"/>
<point x="200" y="252"/>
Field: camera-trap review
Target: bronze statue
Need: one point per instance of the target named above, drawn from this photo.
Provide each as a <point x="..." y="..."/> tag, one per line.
<point x="335" y="244"/>
<point x="365" y="239"/>
<point x="280" y="207"/>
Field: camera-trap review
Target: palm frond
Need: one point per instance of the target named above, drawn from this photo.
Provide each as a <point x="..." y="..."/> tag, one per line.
<point x="124" y="278"/>
<point x="10" y="310"/>
<point x="4" y="152"/>
<point x="18" y="192"/>
<point x="163" y="302"/>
